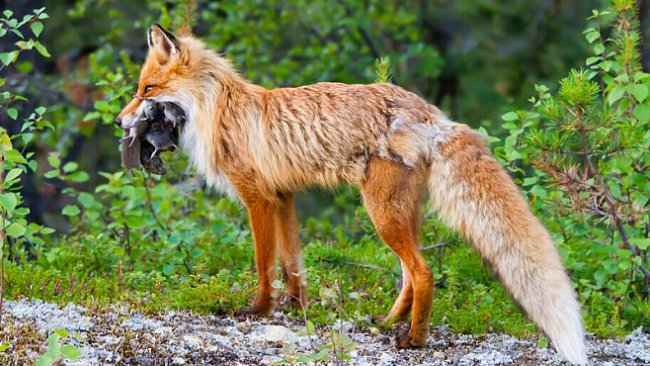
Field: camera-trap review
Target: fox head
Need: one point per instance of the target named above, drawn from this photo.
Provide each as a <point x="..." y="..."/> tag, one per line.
<point x="163" y="74"/>
<point x="184" y="71"/>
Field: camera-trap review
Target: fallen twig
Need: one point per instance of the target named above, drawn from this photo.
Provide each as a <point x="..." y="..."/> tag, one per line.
<point x="437" y="245"/>
<point x="361" y="265"/>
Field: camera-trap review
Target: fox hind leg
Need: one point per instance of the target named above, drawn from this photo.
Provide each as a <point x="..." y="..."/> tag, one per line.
<point x="402" y="306"/>
<point x="391" y="194"/>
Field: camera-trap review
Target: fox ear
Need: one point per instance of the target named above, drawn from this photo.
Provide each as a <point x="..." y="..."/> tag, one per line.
<point x="162" y="43"/>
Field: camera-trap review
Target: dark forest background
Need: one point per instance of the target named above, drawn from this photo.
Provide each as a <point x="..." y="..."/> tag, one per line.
<point x="474" y="59"/>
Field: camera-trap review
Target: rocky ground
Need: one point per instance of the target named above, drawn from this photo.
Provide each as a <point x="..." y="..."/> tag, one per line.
<point x="121" y="336"/>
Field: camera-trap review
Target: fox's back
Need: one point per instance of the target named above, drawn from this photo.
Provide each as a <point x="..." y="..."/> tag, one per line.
<point x="325" y="133"/>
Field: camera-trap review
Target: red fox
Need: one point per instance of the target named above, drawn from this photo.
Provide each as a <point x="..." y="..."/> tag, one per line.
<point x="260" y="146"/>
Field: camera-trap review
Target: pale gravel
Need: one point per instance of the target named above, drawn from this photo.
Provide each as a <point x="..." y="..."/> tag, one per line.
<point x="121" y="336"/>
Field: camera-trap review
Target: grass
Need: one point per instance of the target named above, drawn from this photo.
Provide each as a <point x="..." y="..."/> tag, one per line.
<point x="469" y="301"/>
<point x="346" y="259"/>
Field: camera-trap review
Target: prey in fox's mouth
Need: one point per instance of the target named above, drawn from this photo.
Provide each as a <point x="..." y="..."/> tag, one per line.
<point x="155" y="131"/>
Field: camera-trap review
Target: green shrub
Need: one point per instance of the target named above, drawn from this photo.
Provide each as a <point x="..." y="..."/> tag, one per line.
<point x="15" y="158"/>
<point x="585" y="152"/>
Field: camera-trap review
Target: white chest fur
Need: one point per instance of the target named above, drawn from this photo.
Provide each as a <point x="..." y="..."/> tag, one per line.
<point x="200" y="149"/>
<point x="204" y="162"/>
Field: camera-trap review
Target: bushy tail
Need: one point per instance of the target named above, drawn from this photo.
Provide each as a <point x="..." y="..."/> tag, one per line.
<point x="477" y="197"/>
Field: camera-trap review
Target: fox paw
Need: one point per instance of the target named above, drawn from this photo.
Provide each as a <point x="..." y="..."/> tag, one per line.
<point x="406" y="340"/>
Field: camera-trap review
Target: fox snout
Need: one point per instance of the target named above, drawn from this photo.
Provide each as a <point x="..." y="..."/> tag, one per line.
<point x="128" y="114"/>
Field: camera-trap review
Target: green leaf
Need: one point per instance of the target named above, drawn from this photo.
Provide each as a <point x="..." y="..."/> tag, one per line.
<point x="639" y="91"/>
<point x="16" y="230"/>
<point x="12" y="113"/>
<point x="25" y="45"/>
<point x="510" y="116"/>
<point x="37" y="28"/>
<point x="54" y="160"/>
<point x="51" y="174"/>
<point x="642" y="112"/>
<point x="606" y="65"/>
<point x="40" y="110"/>
<point x="79" y="177"/>
<point x="6" y="57"/>
<point x="53" y="341"/>
<point x="623" y="78"/>
<point x="624" y="253"/>
<point x="529" y="181"/>
<point x="4" y="346"/>
<point x="168" y="269"/>
<point x="71" y="353"/>
<point x="15" y="156"/>
<point x="639" y="76"/>
<point x="33" y="165"/>
<point x="70" y="166"/>
<point x="592" y="36"/>
<point x="18" y="33"/>
<point x="599" y="48"/>
<point x="61" y="332"/>
<point x="71" y="210"/>
<point x="542" y="343"/>
<point x="615" y="94"/>
<point x="600" y="276"/>
<point x="41" y="49"/>
<point x="539" y="191"/>
<point x="610" y="265"/>
<point x="642" y="243"/>
<point x="13" y="173"/>
<point x="92" y="115"/>
<point x="27" y="138"/>
<point x="8" y="200"/>
<point x="48" y="359"/>
<point x="86" y="199"/>
<point x="102" y="105"/>
<point x="5" y="142"/>
<point x="311" y="329"/>
<point x="80" y="338"/>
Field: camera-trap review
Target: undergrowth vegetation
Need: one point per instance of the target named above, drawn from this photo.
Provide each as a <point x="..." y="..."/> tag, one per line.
<point x="587" y="150"/>
<point x="581" y="154"/>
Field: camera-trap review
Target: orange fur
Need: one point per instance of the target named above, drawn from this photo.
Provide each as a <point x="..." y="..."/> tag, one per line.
<point x="391" y="194"/>
<point x="260" y="146"/>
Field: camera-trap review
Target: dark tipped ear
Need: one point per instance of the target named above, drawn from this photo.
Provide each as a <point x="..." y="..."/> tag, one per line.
<point x="163" y="43"/>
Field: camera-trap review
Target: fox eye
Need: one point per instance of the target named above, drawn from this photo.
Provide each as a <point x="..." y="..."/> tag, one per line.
<point x="147" y="88"/>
